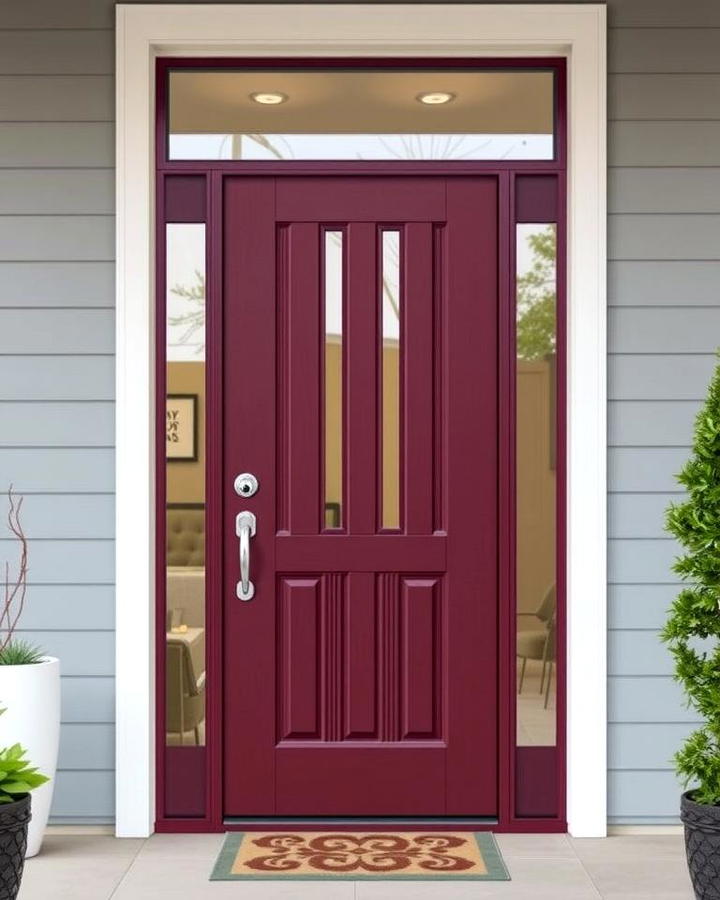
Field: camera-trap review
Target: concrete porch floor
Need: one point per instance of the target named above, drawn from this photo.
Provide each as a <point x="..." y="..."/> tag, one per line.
<point x="543" y="867"/>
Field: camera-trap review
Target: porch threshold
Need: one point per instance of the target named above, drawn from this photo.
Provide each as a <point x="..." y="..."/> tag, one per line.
<point x="347" y="823"/>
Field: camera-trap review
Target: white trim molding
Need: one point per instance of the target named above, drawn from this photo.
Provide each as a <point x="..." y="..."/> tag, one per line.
<point x="577" y="31"/>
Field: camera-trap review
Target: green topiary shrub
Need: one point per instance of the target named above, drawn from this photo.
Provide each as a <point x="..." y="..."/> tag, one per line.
<point x="693" y="629"/>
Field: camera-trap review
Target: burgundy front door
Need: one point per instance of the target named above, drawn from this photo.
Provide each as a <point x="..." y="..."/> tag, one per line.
<point x="361" y="678"/>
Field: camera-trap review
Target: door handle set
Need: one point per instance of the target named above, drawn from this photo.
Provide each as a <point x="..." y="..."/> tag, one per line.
<point x="246" y="485"/>
<point x="245" y="527"/>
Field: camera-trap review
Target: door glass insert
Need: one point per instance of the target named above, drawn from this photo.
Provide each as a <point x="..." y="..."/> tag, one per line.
<point x="333" y="377"/>
<point x="536" y="487"/>
<point x="450" y="114"/>
<point x="185" y="485"/>
<point x="391" y="326"/>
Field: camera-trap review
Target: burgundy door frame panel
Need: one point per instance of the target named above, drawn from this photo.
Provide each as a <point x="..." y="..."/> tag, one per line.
<point x="192" y="191"/>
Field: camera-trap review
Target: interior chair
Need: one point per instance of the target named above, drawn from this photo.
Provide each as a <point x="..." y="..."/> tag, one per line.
<point x="539" y="642"/>
<point x="184" y="691"/>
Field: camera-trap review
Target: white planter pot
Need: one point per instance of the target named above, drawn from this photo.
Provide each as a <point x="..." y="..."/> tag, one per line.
<point x="30" y="696"/>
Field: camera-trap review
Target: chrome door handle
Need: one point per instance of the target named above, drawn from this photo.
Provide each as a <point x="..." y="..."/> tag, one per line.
<point x="245" y="526"/>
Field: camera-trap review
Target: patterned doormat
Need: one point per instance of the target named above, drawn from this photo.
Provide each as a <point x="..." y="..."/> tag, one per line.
<point x="316" y="856"/>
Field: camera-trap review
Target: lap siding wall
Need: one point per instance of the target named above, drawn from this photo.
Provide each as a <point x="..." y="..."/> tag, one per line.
<point x="56" y="358"/>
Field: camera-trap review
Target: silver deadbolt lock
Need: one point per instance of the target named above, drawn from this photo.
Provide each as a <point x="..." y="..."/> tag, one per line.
<point x="246" y="485"/>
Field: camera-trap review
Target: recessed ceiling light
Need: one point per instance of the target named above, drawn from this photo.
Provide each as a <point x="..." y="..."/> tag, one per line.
<point x="435" y="98"/>
<point x="269" y="98"/>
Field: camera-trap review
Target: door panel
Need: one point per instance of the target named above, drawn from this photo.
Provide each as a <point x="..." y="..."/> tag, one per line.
<point x="361" y="678"/>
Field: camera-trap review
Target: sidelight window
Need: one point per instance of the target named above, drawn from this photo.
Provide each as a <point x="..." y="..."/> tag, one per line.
<point x="536" y="482"/>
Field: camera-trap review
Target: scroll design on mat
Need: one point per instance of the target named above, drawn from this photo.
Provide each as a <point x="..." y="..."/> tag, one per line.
<point x="357" y="853"/>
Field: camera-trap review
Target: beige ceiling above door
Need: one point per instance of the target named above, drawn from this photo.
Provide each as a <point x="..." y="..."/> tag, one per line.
<point x="361" y="101"/>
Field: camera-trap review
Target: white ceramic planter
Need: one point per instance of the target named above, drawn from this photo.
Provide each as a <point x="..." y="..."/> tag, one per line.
<point x="30" y="696"/>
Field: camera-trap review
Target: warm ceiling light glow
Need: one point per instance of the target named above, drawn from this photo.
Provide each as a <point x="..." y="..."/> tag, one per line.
<point x="435" y="98"/>
<point x="268" y="98"/>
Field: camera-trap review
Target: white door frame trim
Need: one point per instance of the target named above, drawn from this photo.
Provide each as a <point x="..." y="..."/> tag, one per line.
<point x="572" y="30"/>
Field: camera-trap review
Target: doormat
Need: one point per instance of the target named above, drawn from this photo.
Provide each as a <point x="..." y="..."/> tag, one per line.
<point x="367" y="856"/>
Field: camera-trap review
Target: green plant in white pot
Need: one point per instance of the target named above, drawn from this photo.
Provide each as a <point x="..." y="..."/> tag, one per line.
<point x="29" y="684"/>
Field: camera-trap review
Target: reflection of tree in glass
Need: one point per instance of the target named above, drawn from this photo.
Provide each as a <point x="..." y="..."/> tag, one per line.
<point x="193" y="320"/>
<point x="410" y="146"/>
<point x="536" y="298"/>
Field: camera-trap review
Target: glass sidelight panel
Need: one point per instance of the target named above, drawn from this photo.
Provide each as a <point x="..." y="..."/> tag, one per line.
<point x="333" y="375"/>
<point x="536" y="487"/>
<point x="391" y="327"/>
<point x="185" y="485"/>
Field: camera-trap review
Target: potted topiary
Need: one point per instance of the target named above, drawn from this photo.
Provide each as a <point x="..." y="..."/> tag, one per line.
<point x="17" y="779"/>
<point x="29" y="684"/>
<point x="692" y="633"/>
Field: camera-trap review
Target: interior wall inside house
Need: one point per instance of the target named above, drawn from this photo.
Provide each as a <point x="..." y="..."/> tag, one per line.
<point x="536" y="483"/>
<point x="390" y="451"/>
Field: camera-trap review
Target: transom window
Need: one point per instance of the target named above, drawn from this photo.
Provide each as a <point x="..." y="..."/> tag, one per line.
<point x="363" y="114"/>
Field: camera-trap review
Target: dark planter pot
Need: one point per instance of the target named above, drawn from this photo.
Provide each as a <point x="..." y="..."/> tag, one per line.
<point x="14" y="820"/>
<point x="702" y="844"/>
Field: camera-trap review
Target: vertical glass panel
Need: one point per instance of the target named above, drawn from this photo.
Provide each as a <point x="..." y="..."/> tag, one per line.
<point x="333" y="279"/>
<point x="185" y="486"/>
<point x="536" y="329"/>
<point x="391" y="379"/>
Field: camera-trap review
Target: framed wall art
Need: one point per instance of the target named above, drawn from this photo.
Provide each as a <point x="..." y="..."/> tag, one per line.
<point x="181" y="427"/>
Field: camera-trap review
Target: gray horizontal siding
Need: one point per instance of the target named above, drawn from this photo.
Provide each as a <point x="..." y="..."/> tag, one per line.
<point x="67" y="331"/>
<point x="682" y="237"/>
<point x="56" y="52"/>
<point x="83" y="654"/>
<point x="664" y="330"/>
<point x="643" y="606"/>
<point x="69" y="516"/>
<point x="663" y="283"/>
<point x="69" y="607"/>
<point x="58" y="470"/>
<point x="657" y="97"/>
<point x="638" y="653"/>
<point x="38" y="283"/>
<point x="57" y="377"/>
<point x="68" y="562"/>
<point x="84" y="795"/>
<point x="650" y="423"/>
<point x="663" y="143"/>
<point x="57" y="192"/>
<point x="57" y="340"/>
<point x="641" y="746"/>
<point x="57" y="98"/>
<point x="638" y="515"/>
<point x="650" y="50"/>
<point x="664" y="190"/>
<point x="26" y="238"/>
<point x="43" y="144"/>
<point x="626" y="13"/>
<point x="652" y="377"/>
<point x="647" y="699"/>
<point x="641" y="561"/>
<point x="60" y="424"/>
<point x="86" y="746"/>
<point x="644" y="794"/>
<point x="89" y="699"/>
